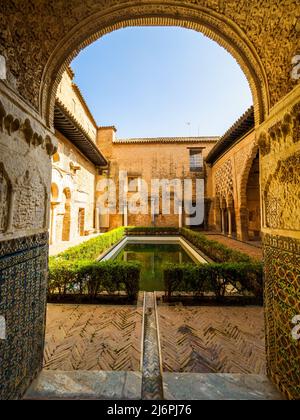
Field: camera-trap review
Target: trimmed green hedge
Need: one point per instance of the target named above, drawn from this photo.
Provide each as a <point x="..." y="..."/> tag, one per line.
<point x="92" y="249"/>
<point x="214" y="278"/>
<point x="93" y="278"/>
<point x="214" y="250"/>
<point x="76" y="271"/>
<point x="152" y="231"/>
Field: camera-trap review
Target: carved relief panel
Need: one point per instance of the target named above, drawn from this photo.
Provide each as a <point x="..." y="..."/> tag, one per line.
<point x="282" y="195"/>
<point x="30" y="202"/>
<point x="280" y="149"/>
<point x="25" y="169"/>
<point x="282" y="135"/>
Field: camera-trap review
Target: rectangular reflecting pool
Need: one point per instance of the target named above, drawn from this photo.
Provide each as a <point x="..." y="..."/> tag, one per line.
<point x="153" y="257"/>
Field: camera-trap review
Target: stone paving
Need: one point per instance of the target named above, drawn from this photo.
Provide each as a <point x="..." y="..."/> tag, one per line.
<point x="90" y="351"/>
<point x="216" y="387"/>
<point x="253" y="251"/>
<point x="93" y="338"/>
<point x="86" y="385"/>
<point x="196" y="340"/>
<point x="212" y="339"/>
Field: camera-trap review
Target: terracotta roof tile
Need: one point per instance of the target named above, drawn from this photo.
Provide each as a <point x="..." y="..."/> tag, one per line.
<point x="239" y="129"/>
<point x="168" y="140"/>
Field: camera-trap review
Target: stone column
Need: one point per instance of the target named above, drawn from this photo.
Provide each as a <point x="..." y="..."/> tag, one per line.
<point x="153" y="216"/>
<point x="125" y="215"/>
<point x="223" y="221"/>
<point x="229" y="222"/>
<point x="180" y="217"/>
<point x="242" y="225"/>
<point x="97" y="220"/>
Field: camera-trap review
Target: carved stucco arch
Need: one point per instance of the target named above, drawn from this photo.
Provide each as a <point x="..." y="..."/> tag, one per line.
<point x="214" y="25"/>
<point x="246" y="174"/>
<point x="230" y="200"/>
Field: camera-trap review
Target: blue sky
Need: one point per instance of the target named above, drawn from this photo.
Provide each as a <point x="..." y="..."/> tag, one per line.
<point x="157" y="82"/>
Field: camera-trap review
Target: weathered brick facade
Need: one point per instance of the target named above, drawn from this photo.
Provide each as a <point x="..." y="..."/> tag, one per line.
<point x="73" y="173"/>
<point x="150" y="159"/>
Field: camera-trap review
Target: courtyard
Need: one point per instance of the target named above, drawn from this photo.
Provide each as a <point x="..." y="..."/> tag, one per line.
<point x="155" y="335"/>
<point x="212" y="339"/>
<point x="133" y="301"/>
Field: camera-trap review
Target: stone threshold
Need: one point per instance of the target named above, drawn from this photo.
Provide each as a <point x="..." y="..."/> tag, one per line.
<point x="126" y="386"/>
<point x="214" y="386"/>
<point x="86" y="385"/>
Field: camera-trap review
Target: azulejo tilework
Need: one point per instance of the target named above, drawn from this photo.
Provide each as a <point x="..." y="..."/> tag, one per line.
<point x="23" y="285"/>
<point x="282" y="258"/>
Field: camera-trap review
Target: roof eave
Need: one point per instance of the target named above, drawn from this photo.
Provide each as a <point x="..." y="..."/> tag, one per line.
<point x="242" y="127"/>
<point x="68" y="126"/>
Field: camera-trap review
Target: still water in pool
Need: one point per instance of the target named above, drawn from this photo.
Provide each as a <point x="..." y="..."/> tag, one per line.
<point x="153" y="258"/>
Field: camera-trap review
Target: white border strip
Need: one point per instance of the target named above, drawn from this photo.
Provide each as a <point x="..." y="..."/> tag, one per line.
<point x="192" y="251"/>
<point x="115" y="250"/>
<point x="155" y="240"/>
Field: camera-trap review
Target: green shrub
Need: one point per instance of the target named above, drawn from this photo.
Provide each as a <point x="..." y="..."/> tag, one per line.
<point x="77" y="271"/>
<point x="186" y="278"/>
<point x="92" y="278"/>
<point x="214" y="250"/>
<point x="152" y="231"/>
<point x="92" y="249"/>
<point x="60" y="275"/>
<point x="214" y="278"/>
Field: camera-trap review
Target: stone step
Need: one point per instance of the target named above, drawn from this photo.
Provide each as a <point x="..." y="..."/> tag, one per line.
<point x="86" y="385"/>
<point x="81" y="385"/>
<point x="196" y="386"/>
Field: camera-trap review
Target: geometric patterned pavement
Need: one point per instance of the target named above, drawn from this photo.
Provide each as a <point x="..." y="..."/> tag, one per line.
<point x="193" y="339"/>
<point x="212" y="339"/>
<point x="93" y="338"/>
